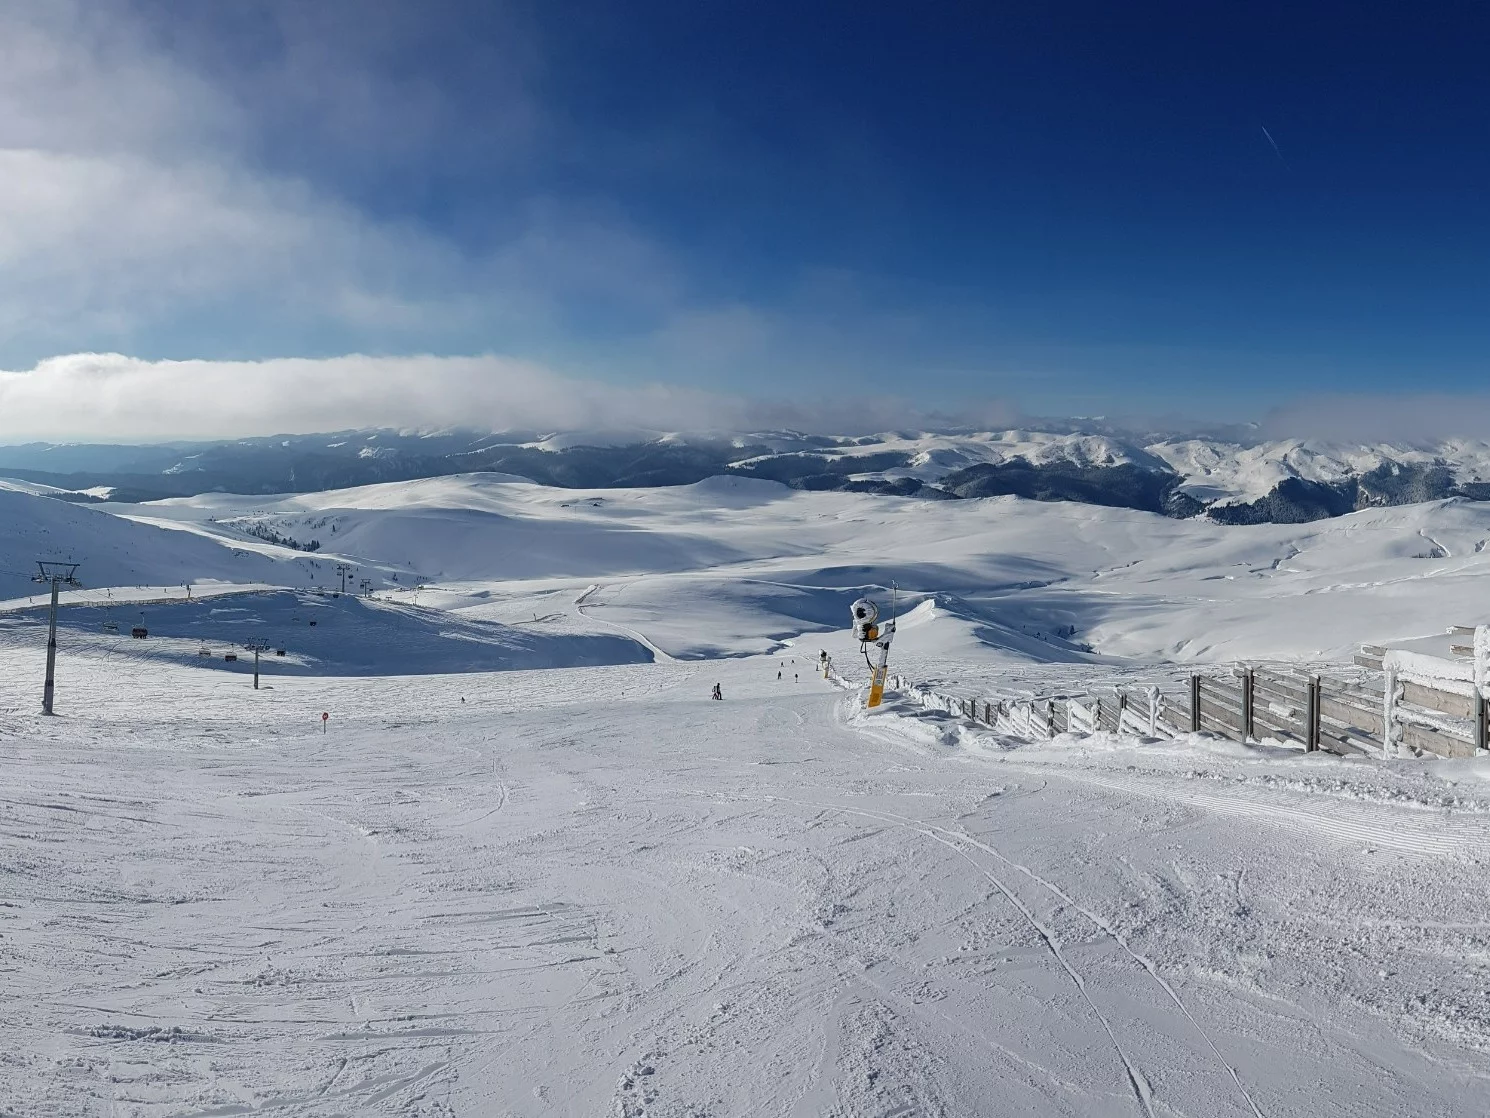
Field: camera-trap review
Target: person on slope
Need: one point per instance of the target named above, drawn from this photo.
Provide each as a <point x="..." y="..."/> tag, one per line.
<point x="718" y="692"/>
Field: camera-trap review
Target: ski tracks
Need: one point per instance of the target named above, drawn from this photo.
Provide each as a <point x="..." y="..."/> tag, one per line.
<point x="963" y="844"/>
<point x="1382" y="825"/>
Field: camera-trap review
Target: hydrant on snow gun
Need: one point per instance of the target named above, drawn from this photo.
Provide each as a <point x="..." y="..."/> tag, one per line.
<point x="868" y="630"/>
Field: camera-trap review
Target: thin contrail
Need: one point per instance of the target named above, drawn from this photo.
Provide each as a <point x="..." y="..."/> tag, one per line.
<point x="1274" y="142"/>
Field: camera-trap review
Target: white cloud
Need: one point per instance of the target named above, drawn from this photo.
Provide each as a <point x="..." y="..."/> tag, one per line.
<point x="145" y="208"/>
<point x="113" y="398"/>
<point x="89" y="241"/>
<point x="135" y="205"/>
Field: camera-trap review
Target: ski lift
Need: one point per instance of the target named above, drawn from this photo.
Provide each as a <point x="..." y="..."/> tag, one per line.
<point x="139" y="632"/>
<point x="111" y="626"/>
<point x="204" y="651"/>
<point x="230" y="657"/>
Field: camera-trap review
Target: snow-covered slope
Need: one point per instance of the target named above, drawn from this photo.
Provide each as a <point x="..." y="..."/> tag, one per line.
<point x="596" y="890"/>
<point x="118" y="552"/>
<point x="736" y="566"/>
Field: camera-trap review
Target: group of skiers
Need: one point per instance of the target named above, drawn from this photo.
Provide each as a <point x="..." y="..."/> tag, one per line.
<point x="718" y="692"/>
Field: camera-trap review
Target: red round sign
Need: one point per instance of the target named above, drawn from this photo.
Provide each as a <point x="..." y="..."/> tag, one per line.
<point x="324" y="716"/>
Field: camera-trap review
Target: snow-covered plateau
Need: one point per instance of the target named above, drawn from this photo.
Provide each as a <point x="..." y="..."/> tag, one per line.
<point x="1250" y="481"/>
<point x="525" y="865"/>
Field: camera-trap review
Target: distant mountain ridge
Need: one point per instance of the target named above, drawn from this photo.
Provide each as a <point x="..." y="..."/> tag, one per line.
<point x="1231" y="482"/>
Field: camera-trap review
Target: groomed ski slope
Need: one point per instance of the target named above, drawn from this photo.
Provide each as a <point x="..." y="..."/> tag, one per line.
<point x="596" y="892"/>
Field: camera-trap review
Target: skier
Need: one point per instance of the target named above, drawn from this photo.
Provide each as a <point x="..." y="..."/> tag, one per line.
<point x="778" y="676"/>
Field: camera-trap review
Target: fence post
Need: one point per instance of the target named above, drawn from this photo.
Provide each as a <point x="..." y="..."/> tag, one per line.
<point x="1481" y="687"/>
<point x="1195" y="704"/>
<point x="1247" y="692"/>
<point x="1050" y="718"/>
<point x="1311" y="731"/>
<point x="1122" y="706"/>
<point x="1153" y="712"/>
<point x="1391" y="735"/>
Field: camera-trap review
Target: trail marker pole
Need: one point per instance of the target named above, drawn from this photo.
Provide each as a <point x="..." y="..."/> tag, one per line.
<point x="324" y="717"/>
<point x="56" y="574"/>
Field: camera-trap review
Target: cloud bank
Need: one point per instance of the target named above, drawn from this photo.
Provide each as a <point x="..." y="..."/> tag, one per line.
<point x="153" y="192"/>
<point x="117" y="399"/>
<point x="1415" y="419"/>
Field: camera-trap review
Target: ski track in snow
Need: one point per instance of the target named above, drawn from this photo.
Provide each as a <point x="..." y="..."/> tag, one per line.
<point x="1141" y="1089"/>
<point x="956" y="839"/>
<point x="590" y="891"/>
<point x="1428" y="835"/>
<point x="580" y="602"/>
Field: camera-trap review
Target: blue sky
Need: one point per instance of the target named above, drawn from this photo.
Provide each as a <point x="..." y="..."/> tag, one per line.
<point x="1064" y="208"/>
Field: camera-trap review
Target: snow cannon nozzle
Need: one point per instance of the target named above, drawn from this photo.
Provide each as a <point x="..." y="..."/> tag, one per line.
<point x="865" y="614"/>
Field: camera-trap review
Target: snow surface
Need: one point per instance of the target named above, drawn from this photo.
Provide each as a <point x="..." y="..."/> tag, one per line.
<point x="503" y="882"/>
<point x="736" y="565"/>
<point x="597" y="892"/>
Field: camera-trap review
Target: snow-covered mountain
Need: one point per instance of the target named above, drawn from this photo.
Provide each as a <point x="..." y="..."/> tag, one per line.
<point x="735" y="566"/>
<point x="1280" y="481"/>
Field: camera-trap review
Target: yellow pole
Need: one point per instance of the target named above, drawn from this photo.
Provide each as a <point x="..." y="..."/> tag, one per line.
<point x="877" y="680"/>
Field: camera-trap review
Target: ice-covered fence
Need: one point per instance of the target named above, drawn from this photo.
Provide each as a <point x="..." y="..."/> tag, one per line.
<point x="1145" y="709"/>
<point x="1421" y="704"/>
<point x="1436" y="705"/>
<point x="1285" y="703"/>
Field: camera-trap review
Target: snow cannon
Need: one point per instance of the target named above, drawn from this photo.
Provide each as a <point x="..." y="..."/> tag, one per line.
<point x="867" y="630"/>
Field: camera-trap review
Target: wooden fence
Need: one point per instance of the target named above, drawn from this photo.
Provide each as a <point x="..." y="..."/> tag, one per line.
<point x="1418" y="704"/>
